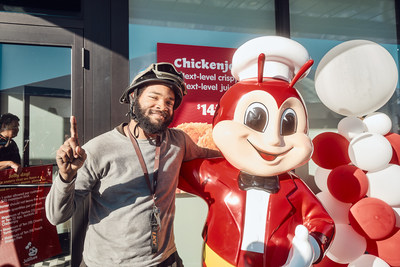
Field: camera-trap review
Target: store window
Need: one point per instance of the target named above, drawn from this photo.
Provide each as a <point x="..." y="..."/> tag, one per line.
<point x="222" y="23"/>
<point x="35" y="86"/>
<point x="322" y="25"/>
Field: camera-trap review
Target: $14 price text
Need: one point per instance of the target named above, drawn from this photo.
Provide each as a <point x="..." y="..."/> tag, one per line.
<point x="207" y="109"/>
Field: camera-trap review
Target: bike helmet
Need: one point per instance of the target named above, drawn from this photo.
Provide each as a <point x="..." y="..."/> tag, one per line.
<point x="162" y="72"/>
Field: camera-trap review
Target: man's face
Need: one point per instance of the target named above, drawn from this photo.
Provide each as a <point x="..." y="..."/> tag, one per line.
<point x="11" y="130"/>
<point x="154" y="108"/>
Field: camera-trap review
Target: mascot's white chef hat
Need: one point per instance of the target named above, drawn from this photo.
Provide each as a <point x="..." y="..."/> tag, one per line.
<point x="283" y="58"/>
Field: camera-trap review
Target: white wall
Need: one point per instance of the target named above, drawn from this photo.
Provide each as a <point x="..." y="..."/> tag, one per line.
<point x="190" y="216"/>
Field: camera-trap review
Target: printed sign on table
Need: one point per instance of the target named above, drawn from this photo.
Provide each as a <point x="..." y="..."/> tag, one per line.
<point x="26" y="236"/>
<point x="207" y="72"/>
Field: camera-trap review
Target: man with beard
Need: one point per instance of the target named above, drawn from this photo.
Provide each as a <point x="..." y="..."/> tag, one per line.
<point x="130" y="174"/>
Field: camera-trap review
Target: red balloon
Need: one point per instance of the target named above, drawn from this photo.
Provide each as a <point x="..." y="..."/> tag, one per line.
<point x="372" y="218"/>
<point x="347" y="183"/>
<point x="330" y="150"/>
<point x="327" y="262"/>
<point x="395" y="159"/>
<point x="387" y="249"/>
<point x="394" y="140"/>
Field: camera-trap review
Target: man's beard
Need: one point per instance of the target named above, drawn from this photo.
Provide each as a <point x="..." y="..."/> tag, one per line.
<point x="147" y="125"/>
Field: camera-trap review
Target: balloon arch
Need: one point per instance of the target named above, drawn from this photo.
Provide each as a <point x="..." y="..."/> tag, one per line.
<point x="358" y="169"/>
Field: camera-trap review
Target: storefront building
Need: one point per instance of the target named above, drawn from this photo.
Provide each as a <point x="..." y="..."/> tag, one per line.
<point x="77" y="57"/>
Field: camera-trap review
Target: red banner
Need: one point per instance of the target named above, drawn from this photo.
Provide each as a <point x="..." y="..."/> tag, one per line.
<point x="26" y="235"/>
<point x="207" y="72"/>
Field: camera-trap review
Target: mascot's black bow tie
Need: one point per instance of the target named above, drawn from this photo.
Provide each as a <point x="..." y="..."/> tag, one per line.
<point x="269" y="184"/>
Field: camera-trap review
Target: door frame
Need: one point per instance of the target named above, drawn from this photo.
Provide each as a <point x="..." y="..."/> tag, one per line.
<point x="30" y="30"/>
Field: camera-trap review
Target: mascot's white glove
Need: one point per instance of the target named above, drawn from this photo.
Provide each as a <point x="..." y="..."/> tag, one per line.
<point x="305" y="249"/>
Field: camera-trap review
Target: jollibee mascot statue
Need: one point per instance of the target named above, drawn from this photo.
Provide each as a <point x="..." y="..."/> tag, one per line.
<point x="260" y="212"/>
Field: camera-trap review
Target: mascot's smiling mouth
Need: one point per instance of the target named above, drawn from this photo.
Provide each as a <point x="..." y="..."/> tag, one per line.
<point x="268" y="156"/>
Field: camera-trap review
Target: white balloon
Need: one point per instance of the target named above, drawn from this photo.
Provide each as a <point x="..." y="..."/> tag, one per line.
<point x="378" y="122"/>
<point x="370" y="151"/>
<point x="347" y="245"/>
<point x="356" y="78"/>
<point x="385" y="184"/>
<point x="321" y="178"/>
<point x="368" y="260"/>
<point x="350" y="127"/>
<point x="339" y="211"/>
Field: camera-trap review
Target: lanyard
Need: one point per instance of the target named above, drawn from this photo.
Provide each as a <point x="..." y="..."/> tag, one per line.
<point x="151" y="186"/>
<point x="155" y="222"/>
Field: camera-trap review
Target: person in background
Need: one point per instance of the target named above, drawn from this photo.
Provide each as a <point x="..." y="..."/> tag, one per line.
<point x="130" y="174"/>
<point x="9" y="152"/>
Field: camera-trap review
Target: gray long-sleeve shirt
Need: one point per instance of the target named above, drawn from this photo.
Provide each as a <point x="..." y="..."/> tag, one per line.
<point x="118" y="233"/>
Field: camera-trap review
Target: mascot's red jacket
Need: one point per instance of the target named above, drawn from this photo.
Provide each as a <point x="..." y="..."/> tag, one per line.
<point x="292" y="205"/>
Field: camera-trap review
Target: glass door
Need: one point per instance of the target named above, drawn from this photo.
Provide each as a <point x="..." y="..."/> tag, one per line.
<point x="41" y="82"/>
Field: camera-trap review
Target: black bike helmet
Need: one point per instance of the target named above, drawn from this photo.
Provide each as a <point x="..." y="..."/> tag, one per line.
<point x="162" y="72"/>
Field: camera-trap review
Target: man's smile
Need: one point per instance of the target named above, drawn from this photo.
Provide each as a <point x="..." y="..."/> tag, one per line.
<point x="158" y="113"/>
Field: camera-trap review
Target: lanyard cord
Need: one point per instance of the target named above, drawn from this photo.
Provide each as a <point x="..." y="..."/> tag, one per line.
<point x="152" y="187"/>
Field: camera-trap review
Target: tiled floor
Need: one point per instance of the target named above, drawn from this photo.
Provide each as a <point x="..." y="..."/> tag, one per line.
<point x="56" y="262"/>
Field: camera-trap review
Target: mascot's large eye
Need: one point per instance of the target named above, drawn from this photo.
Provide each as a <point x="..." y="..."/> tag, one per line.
<point x="288" y="122"/>
<point x="256" y="117"/>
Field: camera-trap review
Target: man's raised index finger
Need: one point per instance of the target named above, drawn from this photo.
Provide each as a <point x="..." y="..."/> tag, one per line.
<point x="74" y="131"/>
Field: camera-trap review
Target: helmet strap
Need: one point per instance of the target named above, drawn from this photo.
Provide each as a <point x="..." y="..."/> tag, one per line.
<point x="136" y="130"/>
<point x="132" y="98"/>
<point x="131" y="113"/>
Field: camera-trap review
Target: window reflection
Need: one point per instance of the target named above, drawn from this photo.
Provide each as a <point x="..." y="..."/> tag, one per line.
<point x="320" y="25"/>
<point x="221" y="23"/>
<point x="35" y="85"/>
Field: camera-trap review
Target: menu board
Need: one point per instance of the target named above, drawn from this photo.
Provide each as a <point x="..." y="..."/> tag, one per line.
<point x="207" y="73"/>
<point x="26" y="236"/>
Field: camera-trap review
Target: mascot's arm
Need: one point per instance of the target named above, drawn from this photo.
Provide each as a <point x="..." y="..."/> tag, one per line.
<point x="320" y="226"/>
<point x="190" y="179"/>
